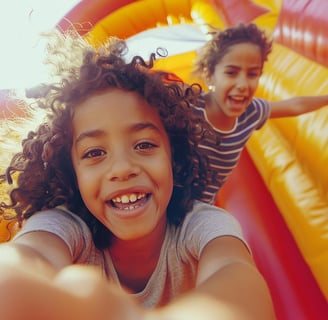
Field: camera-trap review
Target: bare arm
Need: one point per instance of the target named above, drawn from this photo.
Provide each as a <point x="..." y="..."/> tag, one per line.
<point x="41" y="250"/>
<point x="297" y="105"/>
<point x="28" y="266"/>
<point x="74" y="292"/>
<point x="38" y="281"/>
<point x="229" y="287"/>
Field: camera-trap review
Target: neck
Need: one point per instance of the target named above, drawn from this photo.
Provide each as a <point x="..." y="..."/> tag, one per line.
<point x="136" y="260"/>
<point x="142" y="249"/>
<point x="217" y="118"/>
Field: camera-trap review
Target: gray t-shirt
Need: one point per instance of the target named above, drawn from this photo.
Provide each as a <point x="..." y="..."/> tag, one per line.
<point x="176" y="269"/>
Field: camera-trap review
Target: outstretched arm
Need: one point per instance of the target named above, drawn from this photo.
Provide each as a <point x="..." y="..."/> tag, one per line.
<point x="38" y="281"/>
<point x="297" y="105"/>
<point x="229" y="286"/>
<point x="74" y="292"/>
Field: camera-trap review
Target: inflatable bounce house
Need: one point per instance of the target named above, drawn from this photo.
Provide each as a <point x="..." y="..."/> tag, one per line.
<point x="279" y="191"/>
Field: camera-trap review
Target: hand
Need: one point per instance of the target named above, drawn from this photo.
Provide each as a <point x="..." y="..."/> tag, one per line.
<point x="76" y="292"/>
<point x="103" y="300"/>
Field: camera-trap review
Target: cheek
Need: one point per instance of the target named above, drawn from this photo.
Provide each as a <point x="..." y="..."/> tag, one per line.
<point x="85" y="175"/>
<point x="80" y="184"/>
<point x="255" y="83"/>
<point x="165" y="174"/>
<point x="168" y="177"/>
<point x="223" y="85"/>
<point x="89" y="191"/>
<point x="85" y="182"/>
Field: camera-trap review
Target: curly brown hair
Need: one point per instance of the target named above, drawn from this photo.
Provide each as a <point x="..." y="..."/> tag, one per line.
<point x="221" y="41"/>
<point x="45" y="175"/>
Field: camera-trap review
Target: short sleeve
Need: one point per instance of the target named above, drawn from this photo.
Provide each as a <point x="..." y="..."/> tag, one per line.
<point x="69" y="227"/>
<point x="263" y="110"/>
<point x="205" y="223"/>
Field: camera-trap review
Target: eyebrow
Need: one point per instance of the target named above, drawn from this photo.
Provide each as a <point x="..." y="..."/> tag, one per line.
<point x="89" y="134"/>
<point x="134" y="128"/>
<point x="144" y="125"/>
<point x="237" y="67"/>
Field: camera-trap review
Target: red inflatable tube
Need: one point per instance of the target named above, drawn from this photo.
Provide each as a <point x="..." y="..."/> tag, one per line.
<point x="295" y="292"/>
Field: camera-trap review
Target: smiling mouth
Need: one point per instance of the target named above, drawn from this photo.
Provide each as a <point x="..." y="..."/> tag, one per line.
<point x="238" y="99"/>
<point x="129" y="201"/>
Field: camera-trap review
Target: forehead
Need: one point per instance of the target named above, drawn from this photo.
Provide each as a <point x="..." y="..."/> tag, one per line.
<point x="243" y="53"/>
<point x="113" y="109"/>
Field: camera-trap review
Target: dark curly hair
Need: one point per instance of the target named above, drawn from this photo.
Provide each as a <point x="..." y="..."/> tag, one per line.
<point x="221" y="41"/>
<point x="43" y="170"/>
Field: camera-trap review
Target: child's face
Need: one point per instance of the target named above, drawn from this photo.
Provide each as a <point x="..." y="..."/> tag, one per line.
<point x="236" y="78"/>
<point x="122" y="159"/>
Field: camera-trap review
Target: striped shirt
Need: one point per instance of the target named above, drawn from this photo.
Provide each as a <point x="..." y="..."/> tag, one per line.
<point x="224" y="157"/>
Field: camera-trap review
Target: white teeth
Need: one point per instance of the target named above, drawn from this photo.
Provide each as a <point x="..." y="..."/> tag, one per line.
<point x="133" y="198"/>
<point x="238" y="98"/>
<point x="126" y="198"/>
<point x="130" y="208"/>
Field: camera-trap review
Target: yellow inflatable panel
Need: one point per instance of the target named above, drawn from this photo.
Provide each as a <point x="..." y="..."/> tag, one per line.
<point x="292" y="155"/>
<point x="153" y="13"/>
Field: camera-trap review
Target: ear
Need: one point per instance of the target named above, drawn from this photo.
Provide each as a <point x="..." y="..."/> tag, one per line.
<point x="207" y="77"/>
<point x="205" y="73"/>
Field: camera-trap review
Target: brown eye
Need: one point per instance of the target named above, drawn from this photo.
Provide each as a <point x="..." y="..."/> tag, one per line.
<point x="231" y="73"/>
<point x="93" y="153"/>
<point x="145" y="146"/>
<point x="254" y="75"/>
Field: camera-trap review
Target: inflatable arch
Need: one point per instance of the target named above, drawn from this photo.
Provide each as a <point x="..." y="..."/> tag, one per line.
<point x="279" y="191"/>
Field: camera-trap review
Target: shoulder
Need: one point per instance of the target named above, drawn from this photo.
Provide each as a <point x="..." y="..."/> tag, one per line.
<point x="64" y="224"/>
<point x="259" y="103"/>
<point x="56" y="219"/>
<point x="205" y="213"/>
<point x="256" y="114"/>
<point x="206" y="222"/>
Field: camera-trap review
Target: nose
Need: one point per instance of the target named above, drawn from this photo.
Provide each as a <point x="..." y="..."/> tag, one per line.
<point x="242" y="82"/>
<point x="122" y="167"/>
